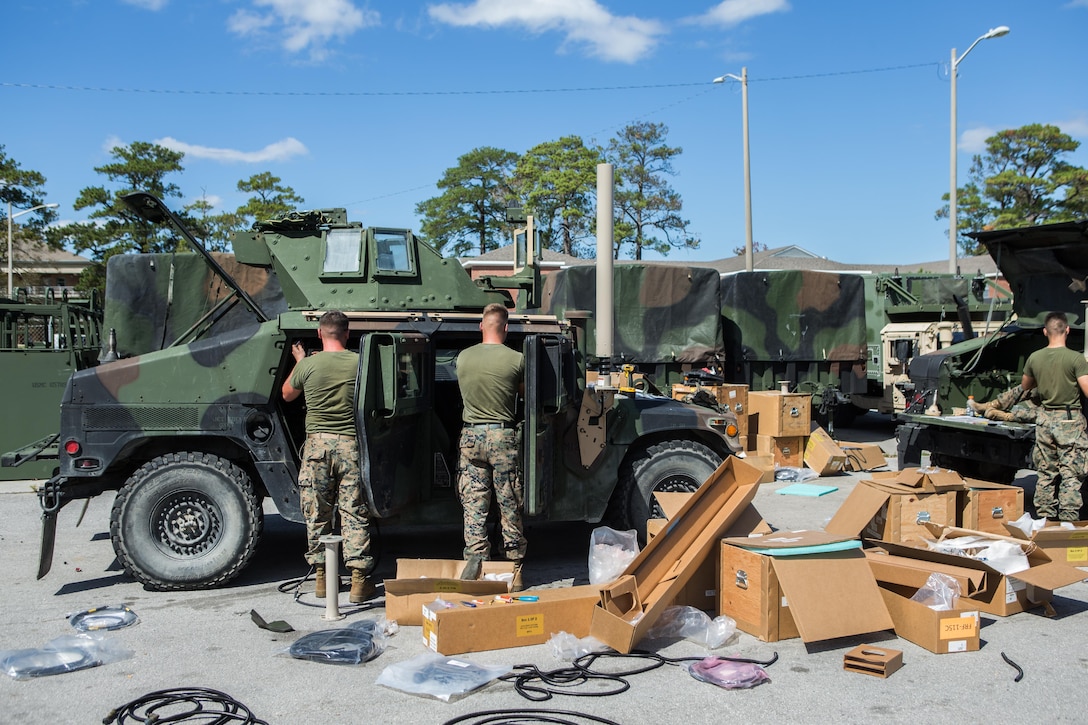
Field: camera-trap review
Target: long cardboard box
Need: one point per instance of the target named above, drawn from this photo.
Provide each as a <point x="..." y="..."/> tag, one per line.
<point x="999" y="594"/>
<point x="774" y="593"/>
<point x="499" y="625"/>
<point x="419" y="581"/>
<point x="630" y="606"/>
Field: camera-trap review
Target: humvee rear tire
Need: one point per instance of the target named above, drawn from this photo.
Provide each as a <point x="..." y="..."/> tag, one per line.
<point x="185" y="521"/>
<point x="680" y="466"/>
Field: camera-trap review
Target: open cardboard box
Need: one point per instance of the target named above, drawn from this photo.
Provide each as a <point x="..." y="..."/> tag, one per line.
<point x="701" y="591"/>
<point x="774" y="591"/>
<point x="998" y="593"/>
<point x="863" y="456"/>
<point x="1068" y="546"/>
<point x="892" y="513"/>
<point x="941" y="632"/>
<point x="631" y="605"/>
<point x="419" y="581"/>
<point x="927" y="480"/>
<point x="497" y="624"/>
<point x="822" y="453"/>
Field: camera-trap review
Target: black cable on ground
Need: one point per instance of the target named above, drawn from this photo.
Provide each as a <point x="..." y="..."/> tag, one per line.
<point x="561" y="682"/>
<point x="515" y="716"/>
<point x="1018" y="668"/>
<point x="183" y="704"/>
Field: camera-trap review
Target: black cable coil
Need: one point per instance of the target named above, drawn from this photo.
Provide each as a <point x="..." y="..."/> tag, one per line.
<point x="184" y="704"/>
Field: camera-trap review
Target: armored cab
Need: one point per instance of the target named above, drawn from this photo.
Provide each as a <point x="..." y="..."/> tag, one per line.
<point x="189" y="428"/>
<point x="1046" y="268"/>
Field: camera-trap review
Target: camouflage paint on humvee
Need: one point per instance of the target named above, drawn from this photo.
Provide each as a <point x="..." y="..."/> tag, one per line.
<point x="192" y="434"/>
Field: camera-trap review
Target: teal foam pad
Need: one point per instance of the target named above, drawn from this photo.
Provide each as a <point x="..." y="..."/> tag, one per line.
<point x="807" y="489"/>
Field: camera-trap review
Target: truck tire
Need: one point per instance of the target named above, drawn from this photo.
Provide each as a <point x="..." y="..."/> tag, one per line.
<point x="185" y="520"/>
<point x="680" y="466"/>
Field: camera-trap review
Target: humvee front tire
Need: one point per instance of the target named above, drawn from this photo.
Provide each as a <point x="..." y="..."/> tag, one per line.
<point x="185" y="521"/>
<point x="680" y="466"/>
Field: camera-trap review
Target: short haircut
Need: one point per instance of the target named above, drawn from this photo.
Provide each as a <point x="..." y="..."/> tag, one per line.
<point x="496" y="309"/>
<point x="335" y="322"/>
<point x="1056" y="323"/>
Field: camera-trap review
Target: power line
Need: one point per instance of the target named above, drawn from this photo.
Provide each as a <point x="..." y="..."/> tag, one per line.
<point x="492" y="92"/>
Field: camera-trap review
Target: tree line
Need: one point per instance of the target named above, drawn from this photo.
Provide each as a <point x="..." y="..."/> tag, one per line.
<point x="1021" y="179"/>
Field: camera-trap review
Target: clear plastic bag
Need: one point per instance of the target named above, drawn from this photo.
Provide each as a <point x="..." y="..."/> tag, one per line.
<point x="940" y="593"/>
<point x="566" y="647"/>
<point x="1028" y="525"/>
<point x="354" y="644"/>
<point x="797" y="475"/>
<point x="610" y="552"/>
<point x="728" y="674"/>
<point x="438" y="676"/>
<point x="64" y="654"/>
<point x="693" y="625"/>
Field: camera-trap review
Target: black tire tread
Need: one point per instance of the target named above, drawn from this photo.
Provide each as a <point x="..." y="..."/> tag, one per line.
<point x="632" y="468"/>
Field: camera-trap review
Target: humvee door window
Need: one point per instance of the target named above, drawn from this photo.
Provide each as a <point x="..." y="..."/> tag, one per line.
<point x="342" y="247"/>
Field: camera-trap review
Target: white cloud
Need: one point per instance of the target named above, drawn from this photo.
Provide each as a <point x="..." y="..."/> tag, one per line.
<point x="303" y="24"/>
<point x="214" y="201"/>
<point x="582" y="22"/>
<point x="1077" y="4"/>
<point x="734" y="12"/>
<point x="973" y="140"/>
<point x="279" y="151"/>
<point x="1075" y="127"/>
<point x="111" y="143"/>
<point x="153" y="5"/>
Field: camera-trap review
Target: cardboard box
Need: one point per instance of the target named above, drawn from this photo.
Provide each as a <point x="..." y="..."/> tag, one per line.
<point x="1068" y="546"/>
<point x="774" y="591"/>
<point x="870" y="660"/>
<point x="702" y="591"/>
<point x="986" y="506"/>
<point x="863" y="456"/>
<point x="940" y="632"/>
<point x="419" y="581"/>
<point x="822" y="453"/>
<point x="877" y="512"/>
<point x="999" y="594"/>
<point x="908" y="572"/>
<point x="498" y="625"/>
<point x="630" y="606"/>
<point x="773" y="413"/>
<point x="765" y="463"/>
<point x="786" y="450"/>
<point x="918" y="479"/>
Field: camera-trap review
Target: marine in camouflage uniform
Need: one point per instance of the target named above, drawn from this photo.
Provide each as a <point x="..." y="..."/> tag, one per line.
<point x="1061" y="440"/>
<point x="329" y="477"/>
<point x="489" y="375"/>
<point x="1014" y="405"/>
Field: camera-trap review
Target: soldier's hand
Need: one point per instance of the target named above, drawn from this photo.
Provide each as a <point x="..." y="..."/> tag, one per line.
<point x="298" y="351"/>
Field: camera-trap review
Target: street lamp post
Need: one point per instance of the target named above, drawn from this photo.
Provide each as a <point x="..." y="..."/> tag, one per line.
<point x="10" y="217"/>
<point x="743" y="78"/>
<point x="953" y="230"/>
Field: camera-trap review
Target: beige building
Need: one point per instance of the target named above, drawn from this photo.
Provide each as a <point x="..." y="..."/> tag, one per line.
<point x="39" y="270"/>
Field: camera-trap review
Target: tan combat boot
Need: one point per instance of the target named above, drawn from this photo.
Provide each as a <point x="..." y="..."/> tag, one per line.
<point x="995" y="414"/>
<point x="980" y="408"/>
<point x="361" y="587"/>
<point x="516" y="585"/>
<point x="319" y="581"/>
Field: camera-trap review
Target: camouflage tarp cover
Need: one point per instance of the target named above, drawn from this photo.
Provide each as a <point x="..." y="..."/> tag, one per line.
<point x="151" y="299"/>
<point x="794" y="315"/>
<point x="663" y="313"/>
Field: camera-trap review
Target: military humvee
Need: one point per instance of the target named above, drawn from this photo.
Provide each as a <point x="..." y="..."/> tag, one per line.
<point x="1047" y="268"/>
<point x="194" y="435"/>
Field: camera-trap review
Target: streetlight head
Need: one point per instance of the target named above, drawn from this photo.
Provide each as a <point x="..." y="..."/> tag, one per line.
<point x="720" y="79"/>
<point x="996" y="32"/>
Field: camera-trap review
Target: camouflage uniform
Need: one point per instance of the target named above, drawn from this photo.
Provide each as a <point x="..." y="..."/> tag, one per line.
<point x="1023" y="407"/>
<point x="489" y="460"/>
<point x="1061" y="449"/>
<point x="329" y="478"/>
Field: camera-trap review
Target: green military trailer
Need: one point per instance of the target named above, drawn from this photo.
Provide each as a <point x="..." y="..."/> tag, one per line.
<point x="42" y="342"/>
<point x="193" y="434"/>
<point x="1046" y="267"/>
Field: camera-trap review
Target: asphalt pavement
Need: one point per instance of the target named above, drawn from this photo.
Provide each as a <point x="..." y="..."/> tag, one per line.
<point x="208" y="639"/>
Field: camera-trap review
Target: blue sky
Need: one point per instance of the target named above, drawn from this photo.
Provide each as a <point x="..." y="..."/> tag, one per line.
<point x="365" y="104"/>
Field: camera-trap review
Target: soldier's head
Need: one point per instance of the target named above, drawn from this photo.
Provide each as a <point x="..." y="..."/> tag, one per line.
<point x="1056" y="325"/>
<point x="494" y="321"/>
<point x="333" y="324"/>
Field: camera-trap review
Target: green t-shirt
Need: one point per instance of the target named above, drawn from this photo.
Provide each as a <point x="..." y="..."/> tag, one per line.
<point x="489" y="376"/>
<point x="1055" y="371"/>
<point x="327" y="379"/>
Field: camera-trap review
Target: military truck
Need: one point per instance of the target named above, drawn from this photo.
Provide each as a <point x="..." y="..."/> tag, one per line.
<point x="42" y="342"/>
<point x="1047" y="269"/>
<point x="193" y="436"/>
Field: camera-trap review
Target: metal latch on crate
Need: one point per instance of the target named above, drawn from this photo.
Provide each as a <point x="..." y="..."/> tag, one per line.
<point x="923" y="517"/>
<point x="998" y="512"/>
<point x="795" y="412"/>
<point x="742" y="579"/>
